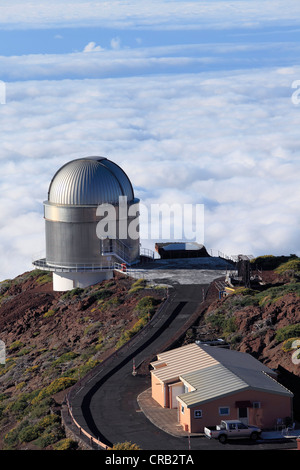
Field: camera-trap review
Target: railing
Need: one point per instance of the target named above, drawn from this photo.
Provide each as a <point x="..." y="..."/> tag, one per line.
<point x="90" y="375"/>
<point x="67" y="267"/>
<point x="118" y="249"/>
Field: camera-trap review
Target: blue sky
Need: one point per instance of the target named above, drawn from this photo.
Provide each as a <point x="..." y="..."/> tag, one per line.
<point x="191" y="98"/>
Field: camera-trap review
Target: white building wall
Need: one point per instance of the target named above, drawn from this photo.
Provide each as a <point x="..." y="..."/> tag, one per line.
<point x="67" y="281"/>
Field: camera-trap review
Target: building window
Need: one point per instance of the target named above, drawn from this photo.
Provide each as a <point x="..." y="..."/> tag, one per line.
<point x="224" y="411"/>
<point x="256" y="404"/>
<point x="197" y="414"/>
<point x="182" y="409"/>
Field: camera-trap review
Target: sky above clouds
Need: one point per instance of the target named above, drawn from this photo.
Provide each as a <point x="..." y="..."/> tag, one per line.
<point x="192" y="98"/>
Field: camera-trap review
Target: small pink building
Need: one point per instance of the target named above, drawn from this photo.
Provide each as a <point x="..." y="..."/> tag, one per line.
<point x="208" y="383"/>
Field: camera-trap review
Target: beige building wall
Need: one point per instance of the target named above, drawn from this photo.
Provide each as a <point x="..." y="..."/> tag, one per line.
<point x="158" y="391"/>
<point x="272" y="406"/>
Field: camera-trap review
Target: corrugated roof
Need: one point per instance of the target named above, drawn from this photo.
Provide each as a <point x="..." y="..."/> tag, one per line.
<point x="89" y="181"/>
<point x="180" y="361"/>
<point x="215" y="372"/>
<point x="230" y="358"/>
<point x="211" y="382"/>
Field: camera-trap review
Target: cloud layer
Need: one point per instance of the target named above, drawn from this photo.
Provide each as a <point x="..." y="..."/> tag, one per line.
<point x="159" y="14"/>
<point x="200" y="123"/>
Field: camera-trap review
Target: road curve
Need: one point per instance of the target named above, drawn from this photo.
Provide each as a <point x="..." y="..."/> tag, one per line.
<point x="102" y="406"/>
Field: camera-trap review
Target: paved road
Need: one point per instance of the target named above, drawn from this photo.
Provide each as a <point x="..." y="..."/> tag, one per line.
<point x="107" y="406"/>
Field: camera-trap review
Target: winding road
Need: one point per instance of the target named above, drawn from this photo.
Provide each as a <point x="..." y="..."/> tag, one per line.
<point x="106" y="405"/>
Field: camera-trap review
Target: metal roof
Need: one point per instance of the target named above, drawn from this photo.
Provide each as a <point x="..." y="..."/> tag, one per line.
<point x="180" y="361"/>
<point x="209" y="383"/>
<point x="231" y="358"/>
<point x="89" y="181"/>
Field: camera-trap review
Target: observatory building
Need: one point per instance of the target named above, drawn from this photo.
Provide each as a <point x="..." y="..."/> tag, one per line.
<point x="88" y="214"/>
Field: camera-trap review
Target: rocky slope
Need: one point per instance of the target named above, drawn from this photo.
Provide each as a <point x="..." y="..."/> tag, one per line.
<point x="52" y="339"/>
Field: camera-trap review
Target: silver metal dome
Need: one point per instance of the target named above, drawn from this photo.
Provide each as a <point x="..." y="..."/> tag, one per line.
<point x="89" y="181"/>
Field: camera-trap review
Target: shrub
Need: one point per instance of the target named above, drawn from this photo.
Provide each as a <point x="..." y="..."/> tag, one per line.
<point x="56" y="386"/>
<point x="28" y="434"/>
<point x="66" y="357"/>
<point x="270" y="261"/>
<point x="147" y="305"/>
<point x="66" y="444"/>
<point x="125" y="446"/>
<point x="51" y="435"/>
<point x="287" y="332"/>
<point x="128" y="334"/>
<point x="101" y="294"/>
<point x="16" y="345"/>
<point x="50" y="313"/>
<point x="290" y="267"/>
<point x="72" y="293"/>
<point x="287" y="344"/>
<point x="44" y="278"/>
<point x="11" y="439"/>
<point x="273" y="294"/>
<point x="138" y="285"/>
<point x="19" y="406"/>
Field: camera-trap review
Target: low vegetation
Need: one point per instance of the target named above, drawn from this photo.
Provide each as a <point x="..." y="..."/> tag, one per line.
<point x="223" y="317"/>
<point x="66" y="339"/>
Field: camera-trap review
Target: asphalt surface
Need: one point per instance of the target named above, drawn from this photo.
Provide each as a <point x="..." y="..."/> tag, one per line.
<point x="107" y="408"/>
<point x="107" y="405"/>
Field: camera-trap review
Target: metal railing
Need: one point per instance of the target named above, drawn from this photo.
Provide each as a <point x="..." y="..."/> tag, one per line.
<point x="67" y="267"/>
<point x="98" y="369"/>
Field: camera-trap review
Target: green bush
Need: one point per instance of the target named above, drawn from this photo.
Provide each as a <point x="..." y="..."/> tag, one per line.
<point x="28" y="434"/>
<point x="270" y="262"/>
<point x="224" y="323"/>
<point x="290" y="267"/>
<point x="16" y="345"/>
<point x="273" y="294"/>
<point x="287" y="332"/>
<point x="65" y="444"/>
<point x="287" y="344"/>
<point x="56" y="386"/>
<point x="125" y="446"/>
<point x="50" y="436"/>
<point x="138" y="285"/>
<point x="19" y="406"/>
<point x="50" y="313"/>
<point x="66" y="357"/>
<point x="72" y="293"/>
<point x="11" y="439"/>
<point x="146" y="305"/>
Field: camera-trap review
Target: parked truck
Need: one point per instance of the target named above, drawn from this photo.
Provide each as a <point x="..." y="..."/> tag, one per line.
<point x="232" y="429"/>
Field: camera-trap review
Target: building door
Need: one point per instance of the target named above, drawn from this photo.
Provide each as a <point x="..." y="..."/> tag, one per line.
<point x="174" y="390"/>
<point x="243" y="414"/>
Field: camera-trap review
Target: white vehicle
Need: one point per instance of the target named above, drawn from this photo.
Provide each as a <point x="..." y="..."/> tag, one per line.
<point x="232" y="429"/>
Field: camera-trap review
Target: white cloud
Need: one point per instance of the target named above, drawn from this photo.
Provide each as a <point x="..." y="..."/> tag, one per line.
<point x="157" y="14"/>
<point x="125" y="61"/>
<point x="229" y="141"/>
<point x="92" y="47"/>
<point x="115" y="43"/>
<point x="209" y="123"/>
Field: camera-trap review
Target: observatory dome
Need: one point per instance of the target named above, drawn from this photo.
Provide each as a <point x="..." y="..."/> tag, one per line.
<point x="89" y="181"/>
